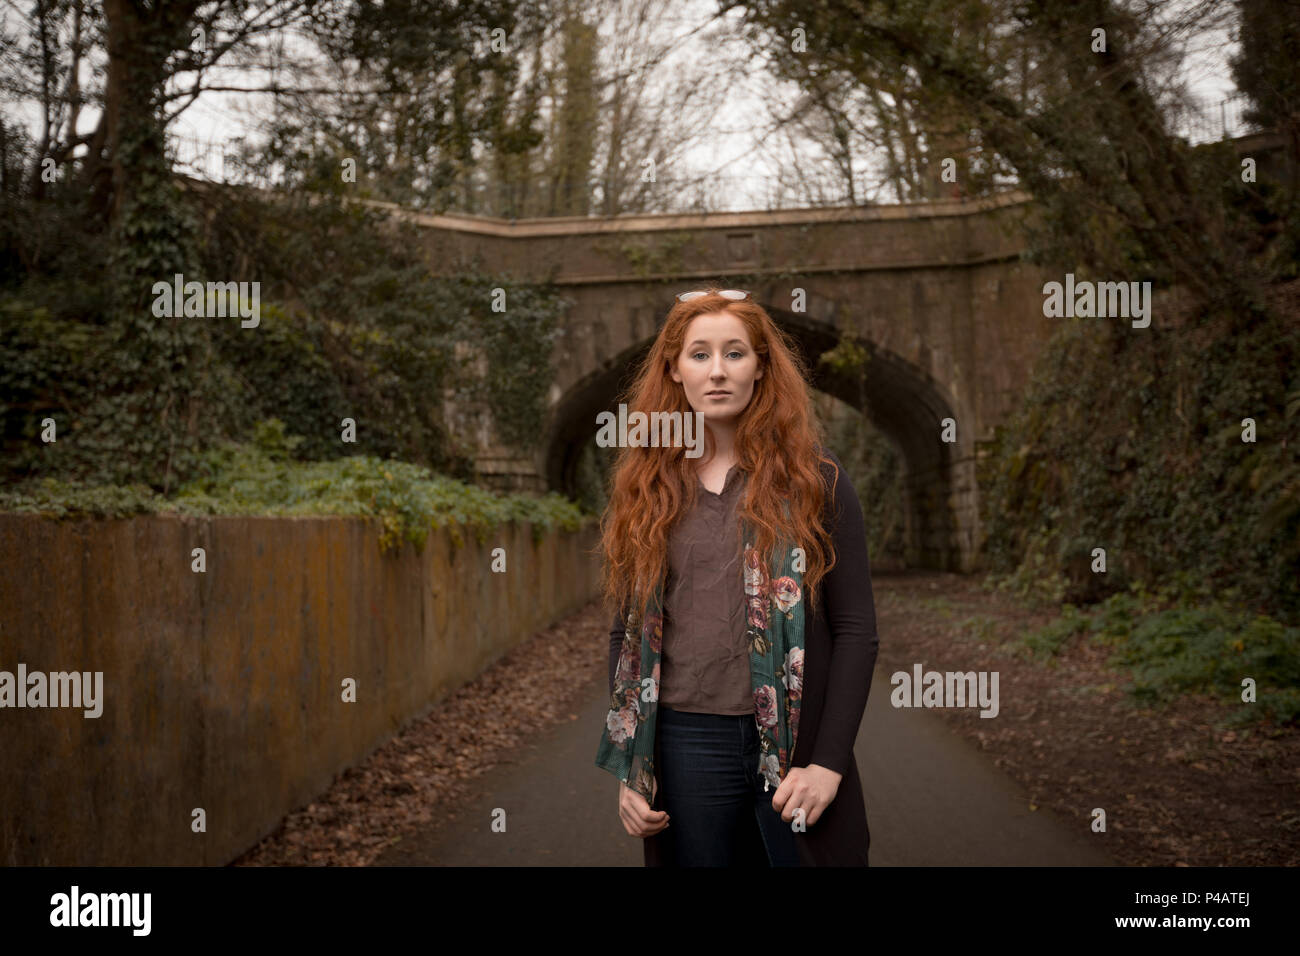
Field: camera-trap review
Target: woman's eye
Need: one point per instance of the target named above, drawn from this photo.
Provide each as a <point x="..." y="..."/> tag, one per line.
<point x="736" y="354"/>
<point x="698" y="354"/>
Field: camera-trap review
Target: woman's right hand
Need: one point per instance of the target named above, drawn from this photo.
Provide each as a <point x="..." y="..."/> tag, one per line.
<point x="638" y="819"/>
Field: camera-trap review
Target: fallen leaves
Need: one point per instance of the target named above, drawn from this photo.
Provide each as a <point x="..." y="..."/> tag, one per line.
<point x="413" y="781"/>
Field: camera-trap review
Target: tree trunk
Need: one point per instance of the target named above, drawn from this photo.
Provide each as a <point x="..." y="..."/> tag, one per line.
<point x="129" y="131"/>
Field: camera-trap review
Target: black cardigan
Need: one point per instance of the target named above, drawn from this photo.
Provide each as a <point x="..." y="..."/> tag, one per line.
<point x="840" y="646"/>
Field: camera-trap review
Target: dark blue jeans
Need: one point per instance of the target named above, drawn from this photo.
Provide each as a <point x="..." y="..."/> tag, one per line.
<point x="713" y="792"/>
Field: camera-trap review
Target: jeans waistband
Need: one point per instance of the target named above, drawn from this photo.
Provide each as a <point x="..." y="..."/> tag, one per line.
<point x="691" y="717"/>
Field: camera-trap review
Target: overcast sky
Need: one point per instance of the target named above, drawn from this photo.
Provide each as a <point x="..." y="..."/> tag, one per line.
<point x="742" y="106"/>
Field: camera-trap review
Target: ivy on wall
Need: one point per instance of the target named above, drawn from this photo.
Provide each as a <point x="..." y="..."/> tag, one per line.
<point x="351" y="325"/>
<point x="1132" y="441"/>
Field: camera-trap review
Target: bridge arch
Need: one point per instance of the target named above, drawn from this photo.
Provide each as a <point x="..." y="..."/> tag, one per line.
<point x="896" y="396"/>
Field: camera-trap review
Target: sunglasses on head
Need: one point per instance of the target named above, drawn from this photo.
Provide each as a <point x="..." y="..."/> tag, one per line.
<point x="736" y="294"/>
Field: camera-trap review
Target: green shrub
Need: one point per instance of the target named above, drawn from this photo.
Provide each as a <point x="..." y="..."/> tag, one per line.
<point x="1186" y="648"/>
<point x="262" y="478"/>
<point x="1210" y="650"/>
<point x="1051" y="639"/>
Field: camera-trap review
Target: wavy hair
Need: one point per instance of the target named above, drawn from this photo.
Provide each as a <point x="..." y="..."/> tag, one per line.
<point x="778" y="444"/>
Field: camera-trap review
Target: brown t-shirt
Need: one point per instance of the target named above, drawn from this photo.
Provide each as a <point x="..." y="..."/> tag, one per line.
<point x="704" y="667"/>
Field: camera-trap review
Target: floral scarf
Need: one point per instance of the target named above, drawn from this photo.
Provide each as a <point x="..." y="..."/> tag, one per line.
<point x="775" y="634"/>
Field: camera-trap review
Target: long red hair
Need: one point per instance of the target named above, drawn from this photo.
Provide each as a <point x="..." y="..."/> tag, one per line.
<point x="778" y="443"/>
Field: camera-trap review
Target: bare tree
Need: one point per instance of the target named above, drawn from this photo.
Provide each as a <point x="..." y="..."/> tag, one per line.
<point x="1076" y="99"/>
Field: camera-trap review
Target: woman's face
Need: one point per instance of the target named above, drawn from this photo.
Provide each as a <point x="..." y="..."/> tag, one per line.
<point x="717" y="366"/>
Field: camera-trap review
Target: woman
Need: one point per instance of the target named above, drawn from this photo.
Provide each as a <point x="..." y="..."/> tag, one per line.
<point x="738" y="684"/>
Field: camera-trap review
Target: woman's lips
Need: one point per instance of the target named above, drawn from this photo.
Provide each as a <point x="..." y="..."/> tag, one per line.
<point x="717" y="394"/>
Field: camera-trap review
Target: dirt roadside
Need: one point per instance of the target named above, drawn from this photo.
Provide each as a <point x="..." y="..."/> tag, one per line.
<point x="1176" y="791"/>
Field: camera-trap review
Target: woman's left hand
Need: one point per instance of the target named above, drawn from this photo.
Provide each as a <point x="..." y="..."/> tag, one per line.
<point x="810" y="788"/>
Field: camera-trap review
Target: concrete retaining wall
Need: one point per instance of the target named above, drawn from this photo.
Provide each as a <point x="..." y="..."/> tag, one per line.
<point x="222" y="690"/>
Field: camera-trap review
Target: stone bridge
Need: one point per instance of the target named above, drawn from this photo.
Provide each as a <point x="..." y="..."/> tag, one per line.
<point x="951" y="318"/>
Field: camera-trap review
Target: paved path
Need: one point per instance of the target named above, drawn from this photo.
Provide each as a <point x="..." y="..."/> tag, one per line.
<point x="933" y="799"/>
